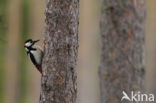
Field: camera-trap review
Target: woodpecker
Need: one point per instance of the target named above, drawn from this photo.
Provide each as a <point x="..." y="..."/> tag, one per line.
<point x="34" y="52"/>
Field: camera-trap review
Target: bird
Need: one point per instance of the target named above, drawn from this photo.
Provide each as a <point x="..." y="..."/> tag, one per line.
<point x="34" y="52"/>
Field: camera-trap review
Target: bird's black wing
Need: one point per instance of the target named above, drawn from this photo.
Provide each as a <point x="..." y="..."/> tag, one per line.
<point x="33" y="60"/>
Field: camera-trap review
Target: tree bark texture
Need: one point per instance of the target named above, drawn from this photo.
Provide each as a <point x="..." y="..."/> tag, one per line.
<point x="59" y="77"/>
<point x="122" y="54"/>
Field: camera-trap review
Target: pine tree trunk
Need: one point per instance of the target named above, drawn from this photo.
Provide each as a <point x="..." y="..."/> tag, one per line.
<point x="59" y="78"/>
<point x="122" y="53"/>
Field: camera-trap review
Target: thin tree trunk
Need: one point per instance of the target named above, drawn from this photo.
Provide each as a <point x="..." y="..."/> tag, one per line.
<point x="59" y="77"/>
<point x="122" y="33"/>
<point x="12" y="58"/>
<point x="150" y="47"/>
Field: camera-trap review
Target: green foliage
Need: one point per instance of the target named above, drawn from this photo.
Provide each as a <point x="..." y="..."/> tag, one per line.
<point x="3" y="11"/>
<point x="23" y="75"/>
<point x="3" y="27"/>
<point x="25" y="16"/>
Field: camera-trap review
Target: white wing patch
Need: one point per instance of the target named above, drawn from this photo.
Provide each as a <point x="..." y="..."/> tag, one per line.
<point x="38" y="54"/>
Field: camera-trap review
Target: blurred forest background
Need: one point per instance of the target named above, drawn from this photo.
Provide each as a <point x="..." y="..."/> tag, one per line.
<point x="23" y="19"/>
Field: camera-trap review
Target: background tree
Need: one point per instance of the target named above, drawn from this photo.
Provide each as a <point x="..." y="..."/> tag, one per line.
<point x="59" y="64"/>
<point x="122" y="53"/>
<point x="150" y="47"/>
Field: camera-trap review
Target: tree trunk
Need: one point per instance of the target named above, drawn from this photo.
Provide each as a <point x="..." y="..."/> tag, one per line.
<point x="12" y="58"/>
<point x="150" y="47"/>
<point x="59" y="76"/>
<point x="122" y="54"/>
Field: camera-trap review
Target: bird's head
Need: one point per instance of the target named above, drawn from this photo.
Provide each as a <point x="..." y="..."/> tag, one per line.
<point x="30" y="43"/>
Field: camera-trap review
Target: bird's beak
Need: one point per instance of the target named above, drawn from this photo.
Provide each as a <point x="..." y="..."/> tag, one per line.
<point x="36" y="41"/>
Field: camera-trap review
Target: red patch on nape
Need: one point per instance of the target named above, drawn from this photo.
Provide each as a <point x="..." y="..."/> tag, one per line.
<point x="40" y="69"/>
<point x="24" y="44"/>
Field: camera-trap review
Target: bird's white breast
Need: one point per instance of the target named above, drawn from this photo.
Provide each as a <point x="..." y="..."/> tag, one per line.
<point x="26" y="49"/>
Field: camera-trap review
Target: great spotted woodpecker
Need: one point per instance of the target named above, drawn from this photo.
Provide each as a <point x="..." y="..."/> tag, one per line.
<point x="35" y="53"/>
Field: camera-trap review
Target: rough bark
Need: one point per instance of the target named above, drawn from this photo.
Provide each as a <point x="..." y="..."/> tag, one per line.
<point x="122" y="54"/>
<point x="59" y="64"/>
